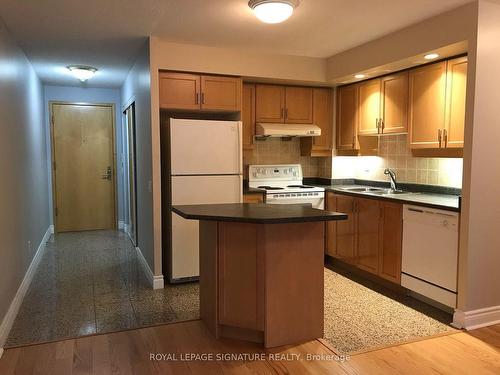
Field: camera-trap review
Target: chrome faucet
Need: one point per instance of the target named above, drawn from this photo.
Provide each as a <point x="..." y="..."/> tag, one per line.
<point x="392" y="175"/>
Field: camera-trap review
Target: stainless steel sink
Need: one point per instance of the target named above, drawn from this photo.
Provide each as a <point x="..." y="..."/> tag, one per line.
<point x="391" y="192"/>
<point x="364" y="189"/>
<point x="375" y="190"/>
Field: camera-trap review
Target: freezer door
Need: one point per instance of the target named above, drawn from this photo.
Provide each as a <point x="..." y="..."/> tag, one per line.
<point x="196" y="190"/>
<point x="205" y="147"/>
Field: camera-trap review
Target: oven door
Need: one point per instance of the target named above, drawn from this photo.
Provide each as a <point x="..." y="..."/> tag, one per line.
<point x="317" y="200"/>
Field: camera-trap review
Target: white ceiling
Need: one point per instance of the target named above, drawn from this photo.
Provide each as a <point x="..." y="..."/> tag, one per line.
<point x="108" y="34"/>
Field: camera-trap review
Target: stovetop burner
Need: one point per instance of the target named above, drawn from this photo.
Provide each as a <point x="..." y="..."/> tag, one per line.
<point x="266" y="187"/>
<point x="301" y="186"/>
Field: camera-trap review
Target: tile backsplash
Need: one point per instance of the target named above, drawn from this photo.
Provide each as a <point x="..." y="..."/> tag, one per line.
<point x="394" y="153"/>
<point x="284" y="151"/>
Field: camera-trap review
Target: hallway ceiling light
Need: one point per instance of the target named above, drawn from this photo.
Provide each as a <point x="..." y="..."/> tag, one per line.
<point x="431" y="56"/>
<point x="82" y="72"/>
<point x="273" y="11"/>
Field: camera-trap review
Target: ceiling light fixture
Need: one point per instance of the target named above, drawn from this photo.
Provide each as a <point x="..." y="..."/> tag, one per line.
<point x="431" y="56"/>
<point x="82" y="72"/>
<point x="273" y="11"/>
<point x="359" y="76"/>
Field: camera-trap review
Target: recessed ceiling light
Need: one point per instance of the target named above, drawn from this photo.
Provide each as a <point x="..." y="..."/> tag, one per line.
<point x="273" y="11"/>
<point x="82" y="72"/>
<point x="431" y="56"/>
<point x="359" y="76"/>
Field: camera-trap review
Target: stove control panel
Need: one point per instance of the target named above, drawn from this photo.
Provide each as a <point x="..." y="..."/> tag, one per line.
<point x="283" y="172"/>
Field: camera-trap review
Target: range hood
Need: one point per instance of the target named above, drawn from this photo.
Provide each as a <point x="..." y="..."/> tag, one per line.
<point x="287" y="130"/>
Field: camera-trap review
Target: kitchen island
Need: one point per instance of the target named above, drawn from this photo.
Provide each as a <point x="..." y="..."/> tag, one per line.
<point x="261" y="270"/>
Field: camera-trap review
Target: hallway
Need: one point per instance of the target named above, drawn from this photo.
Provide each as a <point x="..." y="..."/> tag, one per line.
<point x="93" y="282"/>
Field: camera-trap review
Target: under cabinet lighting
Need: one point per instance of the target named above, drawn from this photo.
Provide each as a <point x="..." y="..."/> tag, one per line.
<point x="359" y="76"/>
<point x="273" y="11"/>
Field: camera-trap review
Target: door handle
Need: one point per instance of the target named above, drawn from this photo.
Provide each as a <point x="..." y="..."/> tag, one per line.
<point x="439" y="137"/>
<point x="377" y="125"/>
<point x="107" y="175"/>
<point x="196" y="98"/>
<point x="445" y="136"/>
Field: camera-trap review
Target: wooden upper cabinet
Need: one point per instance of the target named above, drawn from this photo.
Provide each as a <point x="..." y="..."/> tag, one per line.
<point x="456" y="88"/>
<point x="221" y="93"/>
<point x="179" y="91"/>
<point x="248" y="115"/>
<point x="369" y="107"/>
<point x="394" y="103"/>
<point x="391" y="238"/>
<point x="368" y="228"/>
<point x="323" y="117"/>
<point x="269" y="103"/>
<point x="183" y="91"/>
<point x="347" y="117"/>
<point x="427" y="93"/>
<point x="299" y="105"/>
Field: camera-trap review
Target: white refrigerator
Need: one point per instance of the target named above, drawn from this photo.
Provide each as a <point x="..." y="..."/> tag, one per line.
<point x="206" y="166"/>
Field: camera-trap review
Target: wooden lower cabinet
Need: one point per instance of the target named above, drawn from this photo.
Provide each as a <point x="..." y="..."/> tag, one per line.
<point x="341" y="236"/>
<point x="391" y="237"/>
<point x="367" y="233"/>
<point x="371" y="237"/>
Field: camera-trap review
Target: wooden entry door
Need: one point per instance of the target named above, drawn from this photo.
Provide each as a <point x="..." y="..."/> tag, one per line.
<point x="83" y="167"/>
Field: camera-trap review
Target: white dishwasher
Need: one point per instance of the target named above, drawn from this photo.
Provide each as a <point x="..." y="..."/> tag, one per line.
<point x="430" y="253"/>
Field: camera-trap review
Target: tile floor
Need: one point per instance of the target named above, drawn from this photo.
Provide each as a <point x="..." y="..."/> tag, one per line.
<point x="92" y="282"/>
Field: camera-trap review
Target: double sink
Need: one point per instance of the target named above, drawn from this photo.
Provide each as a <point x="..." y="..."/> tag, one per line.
<point x="374" y="190"/>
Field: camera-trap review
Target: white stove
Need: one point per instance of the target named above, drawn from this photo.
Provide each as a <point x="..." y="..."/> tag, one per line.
<point x="283" y="185"/>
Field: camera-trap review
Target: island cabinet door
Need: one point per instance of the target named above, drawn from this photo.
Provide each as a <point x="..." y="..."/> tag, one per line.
<point x="391" y="237"/>
<point x="240" y="281"/>
<point x="368" y="227"/>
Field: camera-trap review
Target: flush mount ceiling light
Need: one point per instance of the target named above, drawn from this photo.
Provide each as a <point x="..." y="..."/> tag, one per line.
<point x="359" y="76"/>
<point x="431" y="56"/>
<point x="82" y="72"/>
<point x="273" y="11"/>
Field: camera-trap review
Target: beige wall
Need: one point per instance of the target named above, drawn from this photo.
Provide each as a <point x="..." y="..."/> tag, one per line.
<point x="440" y="31"/>
<point x="137" y="88"/>
<point x="24" y="207"/>
<point x="479" y="268"/>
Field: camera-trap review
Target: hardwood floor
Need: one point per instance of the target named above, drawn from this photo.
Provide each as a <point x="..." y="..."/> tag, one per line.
<point x="128" y="352"/>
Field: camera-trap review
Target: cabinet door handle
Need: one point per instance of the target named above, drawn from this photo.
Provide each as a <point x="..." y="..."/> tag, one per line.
<point x="282" y="113"/>
<point x="377" y="125"/>
<point x="196" y="98"/>
<point x="202" y="98"/>
<point x="353" y="141"/>
<point x="439" y="137"/>
<point x="382" y="124"/>
<point x="286" y="113"/>
<point x="445" y="136"/>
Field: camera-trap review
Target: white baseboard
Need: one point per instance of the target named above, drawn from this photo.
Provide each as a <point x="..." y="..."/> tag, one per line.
<point x="121" y="225"/>
<point x="9" y="318"/>
<point x="474" y="319"/>
<point x="156" y="281"/>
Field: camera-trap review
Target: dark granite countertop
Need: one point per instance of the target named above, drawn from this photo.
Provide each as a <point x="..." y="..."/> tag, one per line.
<point x="256" y="213"/>
<point x="432" y="200"/>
